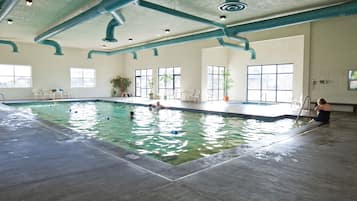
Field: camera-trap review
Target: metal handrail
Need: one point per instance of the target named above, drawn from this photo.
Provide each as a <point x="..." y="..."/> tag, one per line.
<point x="3" y="96"/>
<point x="308" y="99"/>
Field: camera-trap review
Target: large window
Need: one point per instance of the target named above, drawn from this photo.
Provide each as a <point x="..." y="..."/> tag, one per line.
<point x="270" y="83"/>
<point x="215" y="83"/>
<point x="352" y="79"/>
<point x="143" y="82"/>
<point x="82" y="78"/>
<point x="170" y="82"/>
<point x="15" y="76"/>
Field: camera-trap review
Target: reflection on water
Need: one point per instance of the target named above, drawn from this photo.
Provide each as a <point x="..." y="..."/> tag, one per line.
<point x="169" y="135"/>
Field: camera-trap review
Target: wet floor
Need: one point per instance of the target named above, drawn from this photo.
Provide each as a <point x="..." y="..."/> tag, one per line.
<point x="39" y="163"/>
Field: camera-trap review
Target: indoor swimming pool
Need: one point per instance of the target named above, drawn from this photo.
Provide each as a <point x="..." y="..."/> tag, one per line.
<point x="172" y="136"/>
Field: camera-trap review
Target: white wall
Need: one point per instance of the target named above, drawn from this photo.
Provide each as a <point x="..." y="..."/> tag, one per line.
<point x="187" y="56"/>
<point x="333" y="53"/>
<point x="274" y="51"/>
<point x="50" y="71"/>
<point x="329" y="50"/>
<point x="217" y="56"/>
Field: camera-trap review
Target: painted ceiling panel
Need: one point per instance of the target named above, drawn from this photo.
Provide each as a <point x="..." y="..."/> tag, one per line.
<point x="142" y="24"/>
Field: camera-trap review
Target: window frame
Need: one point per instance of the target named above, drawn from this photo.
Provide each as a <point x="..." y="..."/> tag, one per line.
<point x="276" y="90"/>
<point x="219" y="89"/>
<point x="83" y="77"/>
<point x="13" y="76"/>
<point x="148" y="88"/>
<point x="176" y="90"/>
<point x="350" y="80"/>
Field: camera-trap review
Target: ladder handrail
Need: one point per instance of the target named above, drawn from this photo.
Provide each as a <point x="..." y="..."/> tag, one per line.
<point x="308" y="99"/>
<point x="3" y="96"/>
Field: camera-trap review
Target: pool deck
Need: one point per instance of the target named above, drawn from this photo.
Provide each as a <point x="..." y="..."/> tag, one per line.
<point x="41" y="163"/>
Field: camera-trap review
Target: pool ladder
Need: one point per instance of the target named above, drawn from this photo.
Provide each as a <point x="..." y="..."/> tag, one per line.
<point x="2" y="96"/>
<point x="307" y="100"/>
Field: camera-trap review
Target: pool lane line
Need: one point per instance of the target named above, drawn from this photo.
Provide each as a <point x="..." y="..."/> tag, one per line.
<point x="98" y="149"/>
<point x="248" y="153"/>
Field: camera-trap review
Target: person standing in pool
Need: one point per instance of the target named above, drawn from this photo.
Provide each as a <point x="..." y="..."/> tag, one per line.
<point x="323" y="110"/>
<point x="158" y="105"/>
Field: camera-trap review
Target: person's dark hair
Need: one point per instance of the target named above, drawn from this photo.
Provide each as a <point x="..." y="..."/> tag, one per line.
<point x="322" y="101"/>
<point x="131" y="113"/>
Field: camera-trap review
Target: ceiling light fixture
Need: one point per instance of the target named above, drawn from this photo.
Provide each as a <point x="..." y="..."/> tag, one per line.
<point x="28" y="2"/>
<point x="167" y="31"/>
<point x="222" y="17"/>
<point x="130" y="39"/>
<point x="10" y="21"/>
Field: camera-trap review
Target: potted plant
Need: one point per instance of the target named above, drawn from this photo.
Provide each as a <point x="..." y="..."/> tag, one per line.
<point x="166" y="78"/>
<point x="228" y="83"/>
<point x="121" y="83"/>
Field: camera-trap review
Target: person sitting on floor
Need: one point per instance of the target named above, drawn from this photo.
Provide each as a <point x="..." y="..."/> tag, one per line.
<point x="323" y="110"/>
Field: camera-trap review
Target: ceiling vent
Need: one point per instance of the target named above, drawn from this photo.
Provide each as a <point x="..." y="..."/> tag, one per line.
<point x="232" y="6"/>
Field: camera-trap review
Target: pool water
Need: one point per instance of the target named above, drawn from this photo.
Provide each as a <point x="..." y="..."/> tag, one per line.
<point x="172" y="136"/>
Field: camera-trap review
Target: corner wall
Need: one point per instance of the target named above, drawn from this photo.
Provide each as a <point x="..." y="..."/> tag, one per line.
<point x="333" y="53"/>
<point x="50" y="71"/>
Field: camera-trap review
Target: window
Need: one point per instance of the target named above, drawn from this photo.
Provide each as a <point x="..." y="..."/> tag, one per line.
<point x="15" y="76"/>
<point x="215" y="83"/>
<point x="270" y="83"/>
<point x="170" y="82"/>
<point x="143" y="82"/>
<point x="82" y="78"/>
<point x="352" y="79"/>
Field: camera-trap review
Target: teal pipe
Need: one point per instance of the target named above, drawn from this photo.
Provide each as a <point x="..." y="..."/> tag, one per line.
<point x="135" y="56"/>
<point x="118" y="19"/>
<point x="178" y="13"/>
<point x="110" y="31"/>
<point x="344" y="9"/>
<point x="90" y="53"/>
<point x="156" y="53"/>
<point x="105" y="6"/>
<point x="6" y="8"/>
<point x="12" y="44"/>
<point x="53" y="44"/>
<point x="184" y="39"/>
<point x="240" y="39"/>
<point x="187" y="16"/>
<point x="234" y="46"/>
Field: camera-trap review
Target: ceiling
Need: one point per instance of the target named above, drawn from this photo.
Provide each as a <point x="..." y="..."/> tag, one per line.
<point x="142" y="24"/>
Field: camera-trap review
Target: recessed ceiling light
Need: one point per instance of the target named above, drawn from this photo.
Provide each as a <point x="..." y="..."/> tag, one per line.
<point x="10" y="21"/>
<point x="28" y="2"/>
<point x="222" y="17"/>
<point x="130" y="39"/>
<point x="167" y="31"/>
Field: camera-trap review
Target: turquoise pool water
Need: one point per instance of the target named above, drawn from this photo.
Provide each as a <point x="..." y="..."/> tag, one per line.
<point x="172" y="136"/>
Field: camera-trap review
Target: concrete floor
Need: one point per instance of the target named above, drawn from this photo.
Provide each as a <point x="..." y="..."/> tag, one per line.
<point x="37" y="163"/>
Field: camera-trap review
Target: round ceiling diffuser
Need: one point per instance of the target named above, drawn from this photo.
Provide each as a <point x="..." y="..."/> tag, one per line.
<point x="232" y="6"/>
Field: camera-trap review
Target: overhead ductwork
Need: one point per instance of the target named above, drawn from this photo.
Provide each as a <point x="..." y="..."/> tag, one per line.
<point x="234" y="46"/>
<point x="10" y="43"/>
<point x="6" y="8"/>
<point x="118" y="19"/>
<point x="345" y="9"/>
<point x="58" y="49"/>
<point x="105" y="6"/>
<point x="187" y="16"/>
